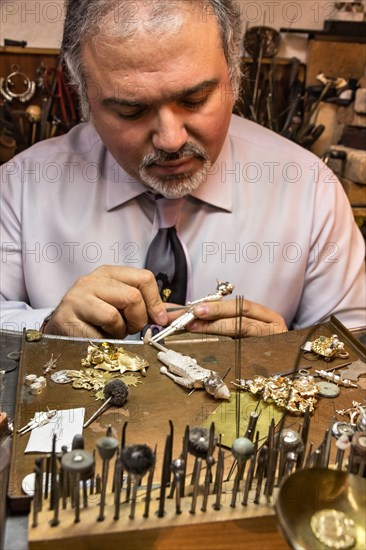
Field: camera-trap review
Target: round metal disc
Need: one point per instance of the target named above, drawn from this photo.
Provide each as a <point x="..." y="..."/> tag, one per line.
<point x="60" y="377"/>
<point x="343" y="428"/>
<point x="78" y="462"/>
<point x="327" y="389"/>
<point x="28" y="483"/>
<point x="334" y="528"/>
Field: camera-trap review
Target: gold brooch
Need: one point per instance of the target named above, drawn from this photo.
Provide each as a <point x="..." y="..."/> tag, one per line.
<point x="327" y="347"/>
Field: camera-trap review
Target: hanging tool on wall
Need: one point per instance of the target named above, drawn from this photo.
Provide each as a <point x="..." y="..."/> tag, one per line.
<point x="56" y="91"/>
<point x="260" y="42"/>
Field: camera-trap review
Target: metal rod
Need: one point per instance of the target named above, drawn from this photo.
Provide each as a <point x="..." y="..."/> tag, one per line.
<point x="37" y="485"/>
<point x="209" y="463"/>
<point x="252" y="424"/>
<point x="197" y="468"/>
<point x="165" y="475"/>
<point x="92" y="479"/>
<point x="47" y="483"/>
<point x="105" y="468"/>
<point x="98" y="412"/>
<point x="262" y="459"/>
<point x="53" y="473"/>
<point x="117" y="488"/>
<point x="98" y="484"/>
<point x="76" y="483"/>
<point x="219" y="479"/>
<point x="184" y="456"/>
<point x="304" y="436"/>
<point x="149" y="487"/>
<point x="250" y="475"/>
<point x="55" y="520"/>
<point x="39" y="463"/>
<point x="135" y="483"/>
<point x="238" y="477"/>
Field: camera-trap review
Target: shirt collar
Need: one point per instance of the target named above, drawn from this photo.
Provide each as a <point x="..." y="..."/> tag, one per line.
<point x="216" y="190"/>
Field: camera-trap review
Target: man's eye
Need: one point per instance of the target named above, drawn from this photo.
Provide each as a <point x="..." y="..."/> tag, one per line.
<point x="195" y="103"/>
<point x="131" y="114"/>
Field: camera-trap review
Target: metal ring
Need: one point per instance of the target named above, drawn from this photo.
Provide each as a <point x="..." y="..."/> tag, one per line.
<point x="22" y="96"/>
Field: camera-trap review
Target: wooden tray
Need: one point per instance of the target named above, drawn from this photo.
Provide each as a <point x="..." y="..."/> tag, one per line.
<point x="155" y="401"/>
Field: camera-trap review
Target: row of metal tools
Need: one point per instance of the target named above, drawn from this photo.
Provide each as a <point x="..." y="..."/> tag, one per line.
<point x="68" y="481"/>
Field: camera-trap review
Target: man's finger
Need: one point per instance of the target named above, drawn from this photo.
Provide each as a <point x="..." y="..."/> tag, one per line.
<point x="227" y="309"/>
<point x="72" y="328"/>
<point x="229" y="327"/>
<point x="144" y="281"/>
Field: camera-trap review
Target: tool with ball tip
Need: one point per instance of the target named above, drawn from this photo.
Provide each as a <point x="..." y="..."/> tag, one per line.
<point x="242" y="449"/>
<point x="116" y="393"/>
<point x="198" y="445"/>
<point x="136" y="460"/>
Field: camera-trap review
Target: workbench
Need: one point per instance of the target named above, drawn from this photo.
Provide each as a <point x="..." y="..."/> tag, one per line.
<point x="155" y="401"/>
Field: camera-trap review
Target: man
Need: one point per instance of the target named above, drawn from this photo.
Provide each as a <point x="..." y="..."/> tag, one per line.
<point x="158" y="81"/>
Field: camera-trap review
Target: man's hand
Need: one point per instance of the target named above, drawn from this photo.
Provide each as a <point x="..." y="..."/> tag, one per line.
<point x="222" y="318"/>
<point x="110" y="301"/>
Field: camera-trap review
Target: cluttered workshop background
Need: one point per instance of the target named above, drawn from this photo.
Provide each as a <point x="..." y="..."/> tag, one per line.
<point x="304" y="78"/>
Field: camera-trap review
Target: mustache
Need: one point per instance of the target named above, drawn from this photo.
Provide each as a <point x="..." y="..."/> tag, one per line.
<point x="188" y="150"/>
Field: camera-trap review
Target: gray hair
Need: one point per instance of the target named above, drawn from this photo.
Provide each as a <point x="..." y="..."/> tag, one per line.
<point x="86" y="19"/>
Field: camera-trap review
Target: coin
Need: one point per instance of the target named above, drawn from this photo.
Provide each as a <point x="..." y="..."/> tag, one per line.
<point x="334" y="529"/>
<point x="327" y="389"/>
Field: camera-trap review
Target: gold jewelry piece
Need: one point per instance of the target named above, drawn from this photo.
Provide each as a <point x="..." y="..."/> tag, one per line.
<point x="33" y="335"/>
<point x="327" y="347"/>
<point x="108" y="357"/>
<point x="334" y="529"/>
<point x="291" y="394"/>
<point x="92" y="380"/>
<point x="165" y="294"/>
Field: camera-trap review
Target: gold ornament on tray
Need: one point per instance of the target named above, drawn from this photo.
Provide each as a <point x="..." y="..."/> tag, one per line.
<point x="327" y="347"/>
<point x="91" y="379"/>
<point x="108" y="357"/>
<point x="291" y="394"/>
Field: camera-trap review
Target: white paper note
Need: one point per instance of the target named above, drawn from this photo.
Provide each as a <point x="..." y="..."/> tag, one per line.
<point x="65" y="424"/>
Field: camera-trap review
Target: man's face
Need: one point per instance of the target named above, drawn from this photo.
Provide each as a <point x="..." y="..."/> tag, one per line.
<point x="162" y="104"/>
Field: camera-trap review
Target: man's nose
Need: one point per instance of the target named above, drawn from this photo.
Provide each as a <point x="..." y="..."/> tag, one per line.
<point x="169" y="134"/>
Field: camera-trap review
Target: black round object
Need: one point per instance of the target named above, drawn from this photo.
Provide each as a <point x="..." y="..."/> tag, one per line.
<point x="117" y="390"/>
<point x="137" y="459"/>
<point x="198" y="442"/>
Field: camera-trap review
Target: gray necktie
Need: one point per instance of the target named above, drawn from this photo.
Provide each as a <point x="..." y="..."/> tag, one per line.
<point x="166" y="257"/>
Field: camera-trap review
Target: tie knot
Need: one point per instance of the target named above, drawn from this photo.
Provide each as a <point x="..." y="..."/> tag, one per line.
<point x="167" y="211"/>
